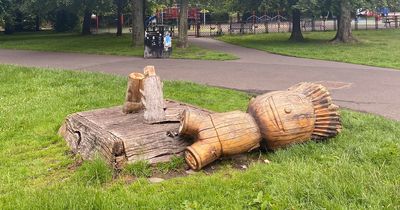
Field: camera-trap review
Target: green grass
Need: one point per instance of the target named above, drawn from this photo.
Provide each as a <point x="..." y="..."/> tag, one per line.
<point x="106" y="44"/>
<point x="376" y="48"/>
<point x="139" y="169"/>
<point x="358" y="169"/>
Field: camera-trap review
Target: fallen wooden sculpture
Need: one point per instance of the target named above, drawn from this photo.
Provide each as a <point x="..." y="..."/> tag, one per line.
<point x="149" y="128"/>
<point x="126" y="138"/>
<point x="281" y="118"/>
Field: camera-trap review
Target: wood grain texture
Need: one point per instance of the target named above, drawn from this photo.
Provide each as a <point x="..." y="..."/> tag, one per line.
<point x="284" y="118"/>
<point x="133" y="94"/>
<point x="125" y="138"/>
<point x="153" y="100"/>
<point x="219" y="134"/>
<point x="327" y="122"/>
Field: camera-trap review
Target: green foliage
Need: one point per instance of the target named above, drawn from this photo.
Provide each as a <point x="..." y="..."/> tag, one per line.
<point x="374" y="47"/>
<point x="219" y="17"/>
<point x="94" y="172"/>
<point x="139" y="169"/>
<point x="193" y="205"/>
<point x="107" y="44"/>
<point x="176" y="163"/>
<point x="65" y="20"/>
<point x="262" y="201"/>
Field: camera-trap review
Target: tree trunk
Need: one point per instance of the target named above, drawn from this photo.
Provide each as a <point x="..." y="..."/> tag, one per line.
<point x="183" y="25"/>
<point x="122" y="138"/>
<point x="119" y="15"/>
<point x="9" y="26"/>
<point x="37" y="23"/>
<point x="296" y="29"/>
<point x="344" y="33"/>
<point x="137" y="23"/>
<point x="86" y="22"/>
<point x="133" y="96"/>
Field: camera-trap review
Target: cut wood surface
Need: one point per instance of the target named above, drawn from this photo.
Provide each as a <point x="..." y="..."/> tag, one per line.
<point x="122" y="138"/>
<point x="153" y="99"/>
<point x="133" y="95"/>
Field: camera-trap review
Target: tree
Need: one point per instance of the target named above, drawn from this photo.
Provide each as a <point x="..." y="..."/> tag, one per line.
<point x="296" y="34"/>
<point x="183" y="24"/>
<point x="137" y="23"/>
<point x="119" y="6"/>
<point x="344" y="33"/>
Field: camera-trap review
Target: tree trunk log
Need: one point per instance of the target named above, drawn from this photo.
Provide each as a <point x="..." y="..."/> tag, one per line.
<point x="296" y="29"/>
<point x="344" y="33"/>
<point x="133" y="95"/>
<point x="119" y="15"/>
<point x="137" y="23"/>
<point x="153" y="100"/>
<point x="183" y="25"/>
<point x="86" y="22"/>
<point x="121" y="138"/>
<point x="37" y="23"/>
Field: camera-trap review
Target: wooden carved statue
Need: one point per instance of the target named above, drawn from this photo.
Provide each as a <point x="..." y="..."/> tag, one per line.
<point x="218" y="134"/>
<point x="303" y="112"/>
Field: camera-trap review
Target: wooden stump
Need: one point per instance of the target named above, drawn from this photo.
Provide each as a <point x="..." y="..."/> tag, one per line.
<point x="133" y="95"/>
<point x="145" y="92"/>
<point x="153" y="100"/>
<point x="123" y="138"/>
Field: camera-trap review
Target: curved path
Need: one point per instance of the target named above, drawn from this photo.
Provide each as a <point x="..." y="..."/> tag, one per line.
<point x="357" y="87"/>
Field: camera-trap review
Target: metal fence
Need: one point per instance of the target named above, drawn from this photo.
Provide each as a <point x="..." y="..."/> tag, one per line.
<point x="217" y="29"/>
<point x="272" y="25"/>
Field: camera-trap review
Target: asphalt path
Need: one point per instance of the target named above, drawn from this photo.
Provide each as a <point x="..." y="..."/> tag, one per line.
<point x="362" y="88"/>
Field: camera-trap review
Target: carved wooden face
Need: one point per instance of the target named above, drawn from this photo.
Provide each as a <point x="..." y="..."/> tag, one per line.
<point x="284" y="117"/>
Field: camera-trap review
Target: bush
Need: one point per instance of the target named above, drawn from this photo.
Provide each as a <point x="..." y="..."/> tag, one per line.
<point x="65" y="21"/>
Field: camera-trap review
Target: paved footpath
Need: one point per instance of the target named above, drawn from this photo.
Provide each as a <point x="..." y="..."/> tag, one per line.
<point x="362" y="88"/>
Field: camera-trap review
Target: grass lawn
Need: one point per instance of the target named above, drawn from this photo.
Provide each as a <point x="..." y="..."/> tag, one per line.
<point x="107" y="44"/>
<point x="358" y="169"/>
<point x="376" y="48"/>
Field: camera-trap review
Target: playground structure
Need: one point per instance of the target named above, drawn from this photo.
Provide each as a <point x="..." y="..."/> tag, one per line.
<point x="273" y="22"/>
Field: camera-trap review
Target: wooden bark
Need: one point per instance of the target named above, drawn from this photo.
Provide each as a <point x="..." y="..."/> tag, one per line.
<point x="137" y="23"/>
<point x="120" y="5"/>
<point x="220" y="134"/>
<point x="133" y="95"/>
<point x="183" y="25"/>
<point x="153" y="100"/>
<point x="121" y="138"/>
<point x="296" y="34"/>
<point x="86" y="22"/>
<point x="149" y="71"/>
<point x="344" y="33"/>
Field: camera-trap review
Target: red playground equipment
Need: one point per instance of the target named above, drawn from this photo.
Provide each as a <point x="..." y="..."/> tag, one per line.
<point x="172" y="14"/>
